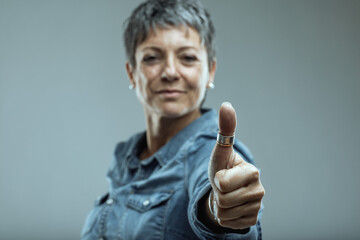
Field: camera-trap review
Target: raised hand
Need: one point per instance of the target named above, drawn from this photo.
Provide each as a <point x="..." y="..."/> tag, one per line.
<point x="237" y="192"/>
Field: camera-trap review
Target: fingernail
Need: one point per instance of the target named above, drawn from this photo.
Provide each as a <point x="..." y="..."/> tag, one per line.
<point x="227" y="103"/>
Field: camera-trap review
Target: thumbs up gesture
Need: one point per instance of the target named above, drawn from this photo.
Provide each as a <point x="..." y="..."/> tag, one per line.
<point x="236" y="195"/>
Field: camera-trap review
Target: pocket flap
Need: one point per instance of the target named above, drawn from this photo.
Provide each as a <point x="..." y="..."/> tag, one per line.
<point x="142" y="202"/>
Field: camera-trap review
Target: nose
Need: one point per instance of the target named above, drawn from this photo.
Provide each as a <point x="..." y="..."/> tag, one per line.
<point x="170" y="71"/>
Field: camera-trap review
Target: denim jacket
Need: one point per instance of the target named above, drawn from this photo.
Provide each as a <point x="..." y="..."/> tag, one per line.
<point x="157" y="198"/>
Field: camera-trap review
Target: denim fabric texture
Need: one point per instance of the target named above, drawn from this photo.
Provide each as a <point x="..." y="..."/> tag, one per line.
<point x="157" y="198"/>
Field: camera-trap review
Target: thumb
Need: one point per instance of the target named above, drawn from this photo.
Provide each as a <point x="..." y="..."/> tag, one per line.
<point x="227" y="119"/>
<point x="223" y="156"/>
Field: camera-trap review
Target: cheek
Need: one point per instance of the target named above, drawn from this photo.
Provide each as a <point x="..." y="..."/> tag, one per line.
<point x="198" y="81"/>
<point x="149" y="74"/>
<point x="195" y="77"/>
<point x="145" y="78"/>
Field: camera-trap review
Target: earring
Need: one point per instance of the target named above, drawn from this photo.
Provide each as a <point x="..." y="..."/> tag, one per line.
<point x="211" y="85"/>
<point x="131" y="87"/>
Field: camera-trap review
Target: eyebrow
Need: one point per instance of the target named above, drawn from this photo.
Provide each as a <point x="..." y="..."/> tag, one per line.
<point x="151" y="48"/>
<point x="178" y="50"/>
<point x="188" y="47"/>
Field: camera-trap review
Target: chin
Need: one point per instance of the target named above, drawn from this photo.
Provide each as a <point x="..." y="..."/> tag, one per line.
<point x="171" y="111"/>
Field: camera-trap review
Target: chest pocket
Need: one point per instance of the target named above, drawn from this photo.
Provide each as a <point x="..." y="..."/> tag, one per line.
<point x="144" y="201"/>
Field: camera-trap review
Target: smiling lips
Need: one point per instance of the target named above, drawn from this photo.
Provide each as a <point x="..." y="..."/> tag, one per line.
<point x="170" y="93"/>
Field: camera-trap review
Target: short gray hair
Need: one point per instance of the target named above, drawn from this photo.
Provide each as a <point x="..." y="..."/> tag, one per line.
<point x="168" y="13"/>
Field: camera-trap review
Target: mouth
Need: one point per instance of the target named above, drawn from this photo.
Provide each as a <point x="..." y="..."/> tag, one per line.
<point x="170" y="93"/>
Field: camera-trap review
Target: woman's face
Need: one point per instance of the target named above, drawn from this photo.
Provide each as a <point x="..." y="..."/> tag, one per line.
<point x="171" y="73"/>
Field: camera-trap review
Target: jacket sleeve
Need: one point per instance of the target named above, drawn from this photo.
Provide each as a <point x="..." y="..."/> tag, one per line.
<point x="197" y="183"/>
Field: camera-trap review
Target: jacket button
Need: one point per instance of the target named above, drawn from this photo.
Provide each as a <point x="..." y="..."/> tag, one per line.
<point x="146" y="202"/>
<point x="109" y="201"/>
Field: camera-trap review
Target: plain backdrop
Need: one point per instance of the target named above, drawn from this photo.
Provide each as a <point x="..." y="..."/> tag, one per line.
<point x="290" y="68"/>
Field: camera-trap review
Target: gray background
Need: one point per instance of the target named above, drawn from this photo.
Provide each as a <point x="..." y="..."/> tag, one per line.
<point x="290" y="68"/>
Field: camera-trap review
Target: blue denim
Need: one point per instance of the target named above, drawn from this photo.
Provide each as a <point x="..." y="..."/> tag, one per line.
<point x="157" y="198"/>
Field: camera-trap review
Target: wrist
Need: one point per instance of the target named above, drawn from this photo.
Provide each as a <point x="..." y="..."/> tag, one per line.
<point x="207" y="215"/>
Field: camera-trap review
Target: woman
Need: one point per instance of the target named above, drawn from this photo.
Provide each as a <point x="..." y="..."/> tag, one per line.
<point x="179" y="179"/>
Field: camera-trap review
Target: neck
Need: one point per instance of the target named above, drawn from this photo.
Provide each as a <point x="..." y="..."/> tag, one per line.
<point x="159" y="130"/>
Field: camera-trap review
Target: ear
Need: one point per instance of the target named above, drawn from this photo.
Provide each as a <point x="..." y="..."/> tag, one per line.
<point x="130" y="73"/>
<point x="212" y="71"/>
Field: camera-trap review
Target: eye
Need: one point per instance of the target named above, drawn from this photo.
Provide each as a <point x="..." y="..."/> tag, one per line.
<point x="189" y="59"/>
<point x="150" y="58"/>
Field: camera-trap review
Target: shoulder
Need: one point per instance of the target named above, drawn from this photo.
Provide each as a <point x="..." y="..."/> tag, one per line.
<point x="200" y="146"/>
<point x="203" y="132"/>
<point x="202" y="139"/>
<point x="123" y="151"/>
<point x="127" y="147"/>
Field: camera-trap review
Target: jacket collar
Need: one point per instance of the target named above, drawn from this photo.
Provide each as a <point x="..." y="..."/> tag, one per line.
<point x="166" y="152"/>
